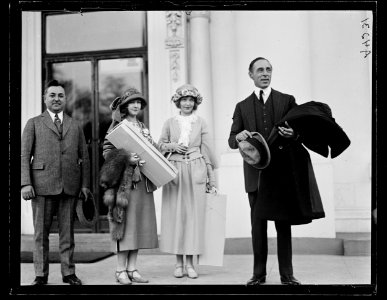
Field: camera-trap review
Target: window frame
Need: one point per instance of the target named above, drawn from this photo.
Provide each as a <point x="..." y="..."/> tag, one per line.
<point x="94" y="57"/>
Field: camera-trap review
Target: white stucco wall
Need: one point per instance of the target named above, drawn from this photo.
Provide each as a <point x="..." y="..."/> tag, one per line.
<point x="31" y="89"/>
<point x="315" y="56"/>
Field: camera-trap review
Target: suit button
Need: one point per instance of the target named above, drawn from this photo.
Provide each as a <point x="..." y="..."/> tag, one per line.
<point x="280" y="147"/>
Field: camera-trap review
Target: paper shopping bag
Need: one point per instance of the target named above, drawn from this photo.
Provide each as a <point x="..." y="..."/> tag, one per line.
<point x="214" y="230"/>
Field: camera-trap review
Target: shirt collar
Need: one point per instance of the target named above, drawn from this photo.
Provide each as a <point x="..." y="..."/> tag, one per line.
<point x="266" y="92"/>
<point x="52" y="115"/>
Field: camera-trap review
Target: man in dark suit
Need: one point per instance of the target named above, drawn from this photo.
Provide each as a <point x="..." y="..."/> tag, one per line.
<point x="280" y="192"/>
<point x="54" y="169"/>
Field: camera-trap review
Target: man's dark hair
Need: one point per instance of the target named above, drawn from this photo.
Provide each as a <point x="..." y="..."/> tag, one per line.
<point x="53" y="83"/>
<point x="256" y="59"/>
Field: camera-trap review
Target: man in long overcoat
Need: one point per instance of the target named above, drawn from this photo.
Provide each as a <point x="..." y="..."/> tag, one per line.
<point x="285" y="191"/>
<point x="54" y="169"/>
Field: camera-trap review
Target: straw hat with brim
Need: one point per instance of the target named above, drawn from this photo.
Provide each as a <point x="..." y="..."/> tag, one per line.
<point x="129" y="95"/>
<point x="255" y="151"/>
<point x="86" y="210"/>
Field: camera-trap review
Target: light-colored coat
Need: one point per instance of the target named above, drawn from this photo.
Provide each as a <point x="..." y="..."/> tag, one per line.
<point x="52" y="164"/>
<point x="183" y="199"/>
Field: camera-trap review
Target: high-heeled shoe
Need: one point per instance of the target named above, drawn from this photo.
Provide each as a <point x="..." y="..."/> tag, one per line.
<point x="178" y="273"/>
<point x="138" y="279"/>
<point x="122" y="277"/>
<point x="191" y="272"/>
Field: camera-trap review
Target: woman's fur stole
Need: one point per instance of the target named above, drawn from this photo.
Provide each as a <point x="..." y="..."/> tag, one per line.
<point x="117" y="177"/>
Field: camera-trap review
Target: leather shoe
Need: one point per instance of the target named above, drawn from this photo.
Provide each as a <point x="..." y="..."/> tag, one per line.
<point x="39" y="280"/>
<point x="289" y="280"/>
<point x="256" y="280"/>
<point x="72" y="280"/>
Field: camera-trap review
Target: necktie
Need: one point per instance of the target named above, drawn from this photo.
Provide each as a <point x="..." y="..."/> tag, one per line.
<point x="261" y="96"/>
<point x="58" y="124"/>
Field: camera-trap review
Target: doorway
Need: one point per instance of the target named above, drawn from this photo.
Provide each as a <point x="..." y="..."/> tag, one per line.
<point x="94" y="73"/>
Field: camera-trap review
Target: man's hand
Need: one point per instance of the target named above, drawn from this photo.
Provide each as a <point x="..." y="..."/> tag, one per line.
<point x="28" y="192"/>
<point x="241" y="136"/>
<point x="286" y="131"/>
<point x="85" y="191"/>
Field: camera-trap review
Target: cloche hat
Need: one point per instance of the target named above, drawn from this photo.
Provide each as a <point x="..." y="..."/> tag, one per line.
<point x="187" y="90"/>
<point x="130" y="94"/>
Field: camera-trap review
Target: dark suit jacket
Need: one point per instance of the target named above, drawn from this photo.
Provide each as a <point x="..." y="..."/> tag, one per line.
<point x="244" y="119"/>
<point x="50" y="164"/>
<point x="287" y="188"/>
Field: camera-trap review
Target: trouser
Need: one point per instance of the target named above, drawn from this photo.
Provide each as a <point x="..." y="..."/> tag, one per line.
<point x="259" y="241"/>
<point x="43" y="210"/>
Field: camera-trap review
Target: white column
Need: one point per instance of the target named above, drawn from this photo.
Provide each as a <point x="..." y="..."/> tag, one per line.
<point x="167" y="66"/>
<point x="31" y="89"/>
<point x="223" y="55"/>
<point x="200" y="62"/>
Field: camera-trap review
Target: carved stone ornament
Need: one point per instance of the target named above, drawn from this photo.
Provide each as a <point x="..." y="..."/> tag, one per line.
<point x="174" y="29"/>
<point x="174" y="58"/>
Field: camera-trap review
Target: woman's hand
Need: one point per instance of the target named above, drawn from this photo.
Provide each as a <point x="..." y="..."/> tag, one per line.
<point x="134" y="159"/>
<point x="179" y="148"/>
<point x="211" y="188"/>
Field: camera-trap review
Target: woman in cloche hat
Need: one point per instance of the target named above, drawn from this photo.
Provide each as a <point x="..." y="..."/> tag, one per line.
<point x="185" y="137"/>
<point x="132" y="216"/>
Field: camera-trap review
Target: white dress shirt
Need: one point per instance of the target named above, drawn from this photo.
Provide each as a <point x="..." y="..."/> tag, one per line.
<point x="52" y="115"/>
<point x="266" y="93"/>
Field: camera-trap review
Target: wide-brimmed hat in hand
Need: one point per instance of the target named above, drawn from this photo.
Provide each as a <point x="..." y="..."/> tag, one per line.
<point x="86" y="210"/>
<point x="255" y="151"/>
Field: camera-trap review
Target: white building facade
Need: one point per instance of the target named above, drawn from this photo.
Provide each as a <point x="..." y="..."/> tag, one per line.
<point x="316" y="56"/>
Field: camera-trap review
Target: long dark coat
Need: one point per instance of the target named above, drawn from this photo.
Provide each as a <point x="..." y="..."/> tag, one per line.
<point x="287" y="188"/>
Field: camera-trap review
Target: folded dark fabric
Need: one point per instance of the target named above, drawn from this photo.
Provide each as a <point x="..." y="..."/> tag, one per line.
<point x="318" y="130"/>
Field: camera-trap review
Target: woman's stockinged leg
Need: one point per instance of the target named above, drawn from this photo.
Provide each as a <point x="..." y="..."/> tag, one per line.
<point x="179" y="260"/>
<point x="178" y="273"/>
<point x="132" y="271"/>
<point x="190" y="268"/>
<point x="121" y="273"/>
<point x="132" y="260"/>
<point x="189" y="260"/>
<point x="122" y="260"/>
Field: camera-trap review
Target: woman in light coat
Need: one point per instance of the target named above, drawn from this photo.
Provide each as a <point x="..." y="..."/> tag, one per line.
<point x="186" y="142"/>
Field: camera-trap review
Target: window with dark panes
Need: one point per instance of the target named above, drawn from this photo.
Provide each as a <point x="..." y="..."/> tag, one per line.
<point x="97" y="55"/>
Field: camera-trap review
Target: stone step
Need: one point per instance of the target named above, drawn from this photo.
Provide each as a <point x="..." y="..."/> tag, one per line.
<point x="356" y="243"/>
<point x="353" y="244"/>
